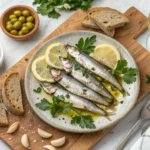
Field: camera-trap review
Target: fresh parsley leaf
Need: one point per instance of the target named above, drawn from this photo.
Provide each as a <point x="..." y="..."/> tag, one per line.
<point x="67" y="95"/>
<point x="86" y="46"/>
<point x="67" y="86"/>
<point x="67" y="108"/>
<point x="127" y="74"/>
<point x="38" y="90"/>
<point x="84" y="121"/>
<point x="58" y="106"/>
<point x="148" y="78"/>
<point x="44" y="105"/>
<point x="121" y="102"/>
<point x="53" y="14"/>
<point x="48" y="7"/>
<point x="86" y="72"/>
<point x="76" y="66"/>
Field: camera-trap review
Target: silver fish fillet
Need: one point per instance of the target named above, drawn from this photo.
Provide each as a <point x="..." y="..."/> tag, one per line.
<point x="76" y="101"/>
<point x="93" y="66"/>
<point x="77" y="72"/>
<point x="75" y="87"/>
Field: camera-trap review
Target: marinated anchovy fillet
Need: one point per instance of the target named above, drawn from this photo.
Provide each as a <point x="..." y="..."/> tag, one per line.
<point x="77" y="102"/>
<point x="93" y="66"/>
<point x="77" y="88"/>
<point x="78" y="73"/>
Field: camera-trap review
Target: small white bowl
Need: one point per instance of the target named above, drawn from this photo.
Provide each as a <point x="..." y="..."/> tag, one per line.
<point x="1" y="55"/>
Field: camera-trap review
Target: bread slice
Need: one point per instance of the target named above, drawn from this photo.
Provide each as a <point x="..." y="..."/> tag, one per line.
<point x="107" y="18"/>
<point x="3" y="115"/>
<point x="11" y="94"/>
<point x="87" y="22"/>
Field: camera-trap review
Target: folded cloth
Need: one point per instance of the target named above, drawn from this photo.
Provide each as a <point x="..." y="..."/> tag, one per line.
<point x="143" y="143"/>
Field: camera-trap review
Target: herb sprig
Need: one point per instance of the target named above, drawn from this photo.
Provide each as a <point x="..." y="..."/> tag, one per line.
<point x="38" y="90"/>
<point x="127" y="74"/>
<point x="86" y="46"/>
<point x="48" y="7"/>
<point x="59" y="106"/>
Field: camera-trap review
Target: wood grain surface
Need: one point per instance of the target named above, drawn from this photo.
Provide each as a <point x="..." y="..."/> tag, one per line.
<point x="30" y="122"/>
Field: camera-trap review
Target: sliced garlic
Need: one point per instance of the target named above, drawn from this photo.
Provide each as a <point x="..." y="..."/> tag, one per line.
<point x="49" y="147"/>
<point x="59" y="142"/>
<point x="25" y="141"/>
<point x="13" y="127"/>
<point x="43" y="133"/>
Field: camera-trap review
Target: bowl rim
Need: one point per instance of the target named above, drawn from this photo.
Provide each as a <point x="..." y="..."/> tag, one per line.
<point x="16" y="36"/>
<point x="1" y="55"/>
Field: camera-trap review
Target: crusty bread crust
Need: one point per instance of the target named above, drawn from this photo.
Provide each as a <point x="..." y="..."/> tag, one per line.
<point x="7" y="101"/>
<point x="3" y="115"/>
<point x="94" y="11"/>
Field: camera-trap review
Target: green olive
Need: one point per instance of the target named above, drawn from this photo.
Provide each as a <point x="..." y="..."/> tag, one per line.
<point x="24" y="24"/>
<point x="25" y="13"/>
<point x="17" y="25"/>
<point x="17" y="13"/>
<point x="13" y="20"/>
<point x="12" y="16"/>
<point x="9" y="27"/>
<point x="22" y="19"/>
<point x="25" y="30"/>
<point x="14" y="32"/>
<point x="30" y="25"/>
<point x="20" y="33"/>
<point x="8" y="22"/>
<point x="30" y="19"/>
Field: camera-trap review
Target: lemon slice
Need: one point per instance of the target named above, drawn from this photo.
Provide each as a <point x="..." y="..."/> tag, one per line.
<point x="52" y="54"/>
<point x="41" y="70"/>
<point x="106" y="54"/>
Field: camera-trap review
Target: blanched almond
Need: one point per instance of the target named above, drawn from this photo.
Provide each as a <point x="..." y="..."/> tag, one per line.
<point x="43" y="133"/>
<point x="13" y="127"/>
<point x="25" y="141"/>
<point x="49" y="147"/>
<point x="59" y="142"/>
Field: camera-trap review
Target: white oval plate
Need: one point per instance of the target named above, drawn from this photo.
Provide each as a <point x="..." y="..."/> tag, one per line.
<point x="101" y="122"/>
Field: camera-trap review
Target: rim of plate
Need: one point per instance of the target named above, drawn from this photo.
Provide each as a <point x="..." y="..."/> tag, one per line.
<point x="80" y="130"/>
<point x="1" y="55"/>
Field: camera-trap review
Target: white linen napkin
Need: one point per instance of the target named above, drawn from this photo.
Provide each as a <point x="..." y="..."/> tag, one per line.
<point x="143" y="143"/>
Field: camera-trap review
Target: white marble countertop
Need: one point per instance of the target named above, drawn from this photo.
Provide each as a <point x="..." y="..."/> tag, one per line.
<point x="15" y="50"/>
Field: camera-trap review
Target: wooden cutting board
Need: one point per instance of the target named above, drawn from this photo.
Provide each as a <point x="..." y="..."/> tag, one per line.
<point x="30" y="122"/>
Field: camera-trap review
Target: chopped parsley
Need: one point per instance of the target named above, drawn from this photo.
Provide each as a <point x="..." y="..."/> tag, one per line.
<point x="38" y="90"/>
<point x="59" y="106"/>
<point x="76" y="66"/>
<point x="67" y="95"/>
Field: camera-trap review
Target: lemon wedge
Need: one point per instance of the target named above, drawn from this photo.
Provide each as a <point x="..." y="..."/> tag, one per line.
<point x="52" y="54"/>
<point x="106" y="54"/>
<point x="41" y="70"/>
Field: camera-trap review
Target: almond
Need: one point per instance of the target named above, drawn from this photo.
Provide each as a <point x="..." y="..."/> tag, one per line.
<point x="43" y="133"/>
<point x="49" y="147"/>
<point x="59" y="142"/>
<point x="13" y="127"/>
<point x="25" y="141"/>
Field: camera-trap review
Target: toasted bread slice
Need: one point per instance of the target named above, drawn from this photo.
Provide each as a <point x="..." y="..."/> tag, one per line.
<point x="3" y="115"/>
<point x="87" y="22"/>
<point x="107" y="18"/>
<point x="11" y="94"/>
